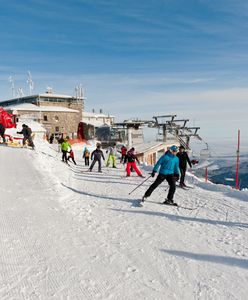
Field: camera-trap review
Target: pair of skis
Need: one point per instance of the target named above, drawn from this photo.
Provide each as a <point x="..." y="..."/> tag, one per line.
<point x="141" y="204"/>
<point x="186" y="187"/>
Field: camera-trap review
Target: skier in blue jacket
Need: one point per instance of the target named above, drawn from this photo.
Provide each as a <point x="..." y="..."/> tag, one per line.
<point x="168" y="166"/>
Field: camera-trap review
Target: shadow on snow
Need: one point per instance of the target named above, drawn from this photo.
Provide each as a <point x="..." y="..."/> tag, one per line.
<point x="184" y="218"/>
<point x="101" y="196"/>
<point x="225" y="260"/>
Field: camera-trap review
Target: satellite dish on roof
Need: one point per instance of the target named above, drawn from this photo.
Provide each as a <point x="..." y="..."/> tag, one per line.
<point x="49" y="90"/>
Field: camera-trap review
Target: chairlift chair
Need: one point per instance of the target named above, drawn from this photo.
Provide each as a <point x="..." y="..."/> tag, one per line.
<point x="205" y="153"/>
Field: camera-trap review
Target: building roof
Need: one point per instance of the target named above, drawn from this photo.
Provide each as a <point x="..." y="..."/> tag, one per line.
<point x="36" y="96"/>
<point x="33" y="107"/>
<point x="145" y="147"/>
<point x="95" y="115"/>
<point x="54" y="95"/>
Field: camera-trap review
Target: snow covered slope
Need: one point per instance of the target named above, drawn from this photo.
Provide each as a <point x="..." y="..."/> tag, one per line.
<point x="67" y="234"/>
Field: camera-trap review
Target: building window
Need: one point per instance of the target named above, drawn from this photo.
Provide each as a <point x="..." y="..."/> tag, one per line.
<point x="56" y="118"/>
<point x="57" y="129"/>
<point x="45" y="118"/>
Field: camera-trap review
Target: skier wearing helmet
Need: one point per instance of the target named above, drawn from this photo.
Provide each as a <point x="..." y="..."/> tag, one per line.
<point x="168" y="166"/>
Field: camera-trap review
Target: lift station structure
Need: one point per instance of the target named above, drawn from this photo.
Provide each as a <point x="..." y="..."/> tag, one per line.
<point x="169" y="128"/>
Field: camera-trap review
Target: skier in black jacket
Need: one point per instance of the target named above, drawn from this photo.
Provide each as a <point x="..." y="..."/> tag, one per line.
<point x="96" y="155"/>
<point x="183" y="160"/>
<point x="27" y="135"/>
<point x="2" y="131"/>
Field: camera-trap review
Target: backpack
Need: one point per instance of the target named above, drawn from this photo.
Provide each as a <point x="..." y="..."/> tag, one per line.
<point x="86" y="153"/>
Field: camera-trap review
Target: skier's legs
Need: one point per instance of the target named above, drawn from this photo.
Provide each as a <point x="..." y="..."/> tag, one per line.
<point x="99" y="165"/>
<point x="172" y="183"/>
<point x="30" y="142"/>
<point x="87" y="161"/>
<point x="128" y="168"/>
<point x="64" y="156"/>
<point x="24" y="141"/>
<point x="108" y="160"/>
<point x="182" y="178"/>
<point x="3" y="137"/>
<point x="114" y="161"/>
<point x="136" y="168"/>
<point x="73" y="160"/>
<point x="160" y="178"/>
<point x="92" y="164"/>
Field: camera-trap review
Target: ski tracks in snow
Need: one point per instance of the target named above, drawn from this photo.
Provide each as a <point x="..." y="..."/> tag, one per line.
<point x="77" y="235"/>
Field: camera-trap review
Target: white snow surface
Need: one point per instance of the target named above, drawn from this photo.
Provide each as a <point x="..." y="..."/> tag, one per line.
<point x="68" y="234"/>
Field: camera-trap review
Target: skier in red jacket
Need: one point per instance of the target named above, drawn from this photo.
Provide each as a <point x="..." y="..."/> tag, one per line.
<point x="71" y="156"/>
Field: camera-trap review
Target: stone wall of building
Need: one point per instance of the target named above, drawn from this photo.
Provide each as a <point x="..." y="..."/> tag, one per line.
<point x="68" y="122"/>
<point x="77" y="105"/>
<point x="55" y="122"/>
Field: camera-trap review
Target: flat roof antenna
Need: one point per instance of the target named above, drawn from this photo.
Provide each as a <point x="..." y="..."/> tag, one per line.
<point x="20" y="92"/>
<point x="30" y="83"/>
<point x="12" y="82"/>
<point x="80" y="91"/>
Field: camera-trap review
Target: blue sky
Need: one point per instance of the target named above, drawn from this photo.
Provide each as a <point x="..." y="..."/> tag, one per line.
<point x="135" y="58"/>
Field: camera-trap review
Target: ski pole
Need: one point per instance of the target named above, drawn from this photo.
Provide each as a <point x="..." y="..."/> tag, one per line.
<point x="139" y="185"/>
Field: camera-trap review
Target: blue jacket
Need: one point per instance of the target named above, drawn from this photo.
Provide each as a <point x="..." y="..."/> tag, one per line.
<point x="168" y="164"/>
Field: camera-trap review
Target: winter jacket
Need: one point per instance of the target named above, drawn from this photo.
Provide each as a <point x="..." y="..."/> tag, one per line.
<point x="112" y="151"/>
<point x="183" y="159"/>
<point x="26" y="131"/>
<point x="71" y="154"/>
<point x="123" y="150"/>
<point x="86" y="153"/>
<point x="131" y="157"/>
<point x="65" y="146"/>
<point x="97" y="154"/>
<point x="167" y="164"/>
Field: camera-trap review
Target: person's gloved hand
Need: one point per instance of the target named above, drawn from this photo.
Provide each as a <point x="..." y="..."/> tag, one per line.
<point x="153" y="173"/>
<point x="176" y="176"/>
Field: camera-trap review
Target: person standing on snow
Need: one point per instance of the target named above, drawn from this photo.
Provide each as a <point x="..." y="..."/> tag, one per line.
<point x="71" y="156"/>
<point x="27" y="135"/>
<point x="2" y="131"/>
<point x="86" y="156"/>
<point x="123" y="153"/>
<point x="168" y="166"/>
<point x="112" y="156"/>
<point x="96" y="156"/>
<point x="51" y="138"/>
<point x="183" y="159"/>
<point x="65" y="146"/>
<point x="130" y="159"/>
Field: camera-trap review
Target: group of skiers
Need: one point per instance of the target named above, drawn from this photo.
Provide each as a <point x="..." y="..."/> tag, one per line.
<point x="65" y="149"/>
<point x="171" y="166"/>
<point x="127" y="157"/>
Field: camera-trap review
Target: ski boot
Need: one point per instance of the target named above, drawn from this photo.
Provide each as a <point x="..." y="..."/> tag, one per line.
<point x="169" y="202"/>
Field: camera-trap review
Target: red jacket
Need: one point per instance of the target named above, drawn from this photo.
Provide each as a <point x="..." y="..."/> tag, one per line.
<point x="123" y="150"/>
